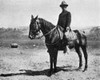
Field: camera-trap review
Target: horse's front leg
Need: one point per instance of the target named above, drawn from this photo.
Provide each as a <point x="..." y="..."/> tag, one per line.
<point x="51" y="63"/>
<point x="55" y="61"/>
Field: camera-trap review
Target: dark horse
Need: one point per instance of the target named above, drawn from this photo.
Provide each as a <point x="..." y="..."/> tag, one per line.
<point x="53" y="39"/>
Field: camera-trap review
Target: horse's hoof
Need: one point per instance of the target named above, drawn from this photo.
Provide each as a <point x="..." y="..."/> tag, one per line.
<point x="78" y="69"/>
<point x="50" y="72"/>
<point x="55" y="70"/>
<point x="84" y="69"/>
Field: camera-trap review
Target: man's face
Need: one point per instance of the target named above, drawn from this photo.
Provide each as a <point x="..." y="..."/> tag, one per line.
<point x="64" y="8"/>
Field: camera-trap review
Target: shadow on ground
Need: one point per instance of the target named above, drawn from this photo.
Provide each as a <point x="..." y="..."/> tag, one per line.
<point x="42" y="72"/>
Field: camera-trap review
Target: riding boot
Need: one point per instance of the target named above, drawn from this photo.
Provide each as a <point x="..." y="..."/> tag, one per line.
<point x="65" y="50"/>
<point x="65" y="43"/>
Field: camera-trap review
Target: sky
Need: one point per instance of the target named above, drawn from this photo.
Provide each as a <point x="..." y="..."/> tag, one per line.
<point x="15" y="13"/>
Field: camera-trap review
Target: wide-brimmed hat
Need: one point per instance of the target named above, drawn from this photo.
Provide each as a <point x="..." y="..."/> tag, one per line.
<point x="63" y="4"/>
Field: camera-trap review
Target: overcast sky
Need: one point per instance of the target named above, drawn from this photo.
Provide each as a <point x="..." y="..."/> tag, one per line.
<point x="15" y="13"/>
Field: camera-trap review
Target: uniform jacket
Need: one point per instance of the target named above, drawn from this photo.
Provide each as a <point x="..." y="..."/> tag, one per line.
<point x="64" y="19"/>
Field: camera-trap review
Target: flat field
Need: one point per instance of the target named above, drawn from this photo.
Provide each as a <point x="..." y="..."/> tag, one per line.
<point x="30" y="61"/>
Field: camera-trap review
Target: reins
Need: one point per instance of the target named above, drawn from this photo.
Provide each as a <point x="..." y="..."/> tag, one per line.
<point x="48" y="32"/>
<point x="55" y="42"/>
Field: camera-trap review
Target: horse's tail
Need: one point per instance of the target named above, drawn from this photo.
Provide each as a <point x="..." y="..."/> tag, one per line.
<point x="78" y="33"/>
<point x="81" y="36"/>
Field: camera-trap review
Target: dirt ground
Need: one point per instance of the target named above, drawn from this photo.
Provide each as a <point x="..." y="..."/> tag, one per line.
<point x="33" y="64"/>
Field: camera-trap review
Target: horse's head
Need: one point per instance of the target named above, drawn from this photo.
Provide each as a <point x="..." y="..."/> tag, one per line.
<point x="34" y="27"/>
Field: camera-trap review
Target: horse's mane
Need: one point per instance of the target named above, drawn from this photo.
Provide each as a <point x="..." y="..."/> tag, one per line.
<point x="45" y="22"/>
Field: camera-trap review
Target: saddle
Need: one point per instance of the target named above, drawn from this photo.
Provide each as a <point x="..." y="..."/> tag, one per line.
<point x="60" y="30"/>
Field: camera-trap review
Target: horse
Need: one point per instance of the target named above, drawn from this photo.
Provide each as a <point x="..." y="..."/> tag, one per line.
<point x="54" y="39"/>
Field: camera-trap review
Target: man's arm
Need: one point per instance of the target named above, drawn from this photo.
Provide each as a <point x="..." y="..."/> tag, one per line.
<point x="58" y="20"/>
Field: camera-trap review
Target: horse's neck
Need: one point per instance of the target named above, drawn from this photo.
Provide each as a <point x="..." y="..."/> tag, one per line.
<point x="45" y="26"/>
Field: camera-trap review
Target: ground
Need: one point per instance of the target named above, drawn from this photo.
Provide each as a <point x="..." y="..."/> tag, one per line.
<point x="33" y="64"/>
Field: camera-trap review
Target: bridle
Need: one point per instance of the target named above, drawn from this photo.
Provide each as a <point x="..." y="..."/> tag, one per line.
<point x="48" y="32"/>
<point x="37" y="26"/>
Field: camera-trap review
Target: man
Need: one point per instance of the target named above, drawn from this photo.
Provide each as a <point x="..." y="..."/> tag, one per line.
<point x="64" y="19"/>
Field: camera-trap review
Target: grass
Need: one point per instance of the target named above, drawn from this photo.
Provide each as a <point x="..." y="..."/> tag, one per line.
<point x="10" y="35"/>
<point x="24" y="43"/>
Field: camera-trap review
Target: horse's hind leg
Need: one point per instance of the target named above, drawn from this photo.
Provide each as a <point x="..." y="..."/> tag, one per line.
<point x="77" y="48"/>
<point x="85" y="56"/>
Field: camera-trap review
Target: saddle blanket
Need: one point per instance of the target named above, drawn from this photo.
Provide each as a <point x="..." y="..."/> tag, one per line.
<point x="71" y="35"/>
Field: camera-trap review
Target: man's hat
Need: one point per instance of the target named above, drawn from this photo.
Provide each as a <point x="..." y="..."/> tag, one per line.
<point x="63" y="4"/>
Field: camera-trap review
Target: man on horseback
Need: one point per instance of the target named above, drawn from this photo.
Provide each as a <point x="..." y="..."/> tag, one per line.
<point x="64" y="19"/>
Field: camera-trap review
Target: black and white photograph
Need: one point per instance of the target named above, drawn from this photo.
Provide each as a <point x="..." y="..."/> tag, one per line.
<point x="49" y="39"/>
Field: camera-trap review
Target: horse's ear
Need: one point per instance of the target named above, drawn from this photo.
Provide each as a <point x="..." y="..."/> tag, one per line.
<point x="36" y="17"/>
<point x="32" y="17"/>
